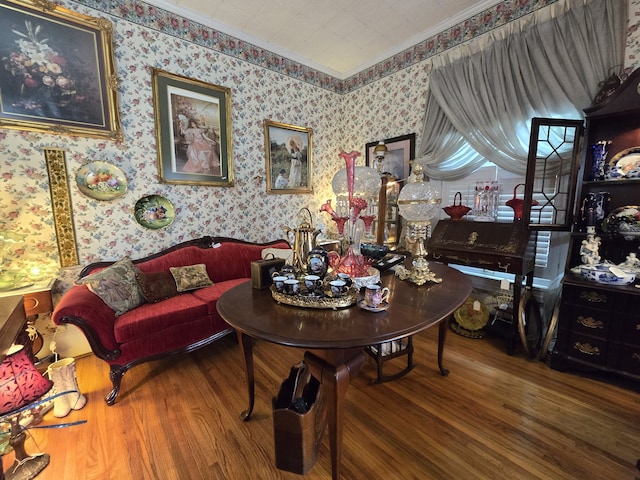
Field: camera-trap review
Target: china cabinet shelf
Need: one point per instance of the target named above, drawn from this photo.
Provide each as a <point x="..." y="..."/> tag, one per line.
<point x="612" y="183"/>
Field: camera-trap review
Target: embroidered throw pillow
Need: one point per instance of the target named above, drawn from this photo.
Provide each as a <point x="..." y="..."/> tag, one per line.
<point x="116" y="285"/>
<point x="156" y="286"/>
<point x="191" y="277"/>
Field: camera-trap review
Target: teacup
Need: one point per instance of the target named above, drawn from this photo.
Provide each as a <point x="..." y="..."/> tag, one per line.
<point x="312" y="282"/>
<point x="288" y="271"/>
<point x="374" y="295"/>
<point x="278" y="281"/>
<point x="345" y="278"/>
<point x="338" y="287"/>
<point x="291" y="286"/>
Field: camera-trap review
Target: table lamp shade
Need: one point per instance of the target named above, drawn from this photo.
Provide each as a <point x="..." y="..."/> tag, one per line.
<point x="418" y="201"/>
<point x="20" y="382"/>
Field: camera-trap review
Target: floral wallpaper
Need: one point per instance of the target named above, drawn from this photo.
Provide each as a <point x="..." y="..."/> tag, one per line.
<point x="384" y="101"/>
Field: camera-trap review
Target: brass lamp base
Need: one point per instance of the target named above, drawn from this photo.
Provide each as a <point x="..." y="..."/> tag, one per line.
<point x="419" y="274"/>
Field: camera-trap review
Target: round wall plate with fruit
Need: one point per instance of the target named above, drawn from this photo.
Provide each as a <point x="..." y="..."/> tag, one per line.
<point x="101" y="181"/>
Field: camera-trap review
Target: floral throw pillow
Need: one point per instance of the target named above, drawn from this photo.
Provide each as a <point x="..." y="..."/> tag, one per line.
<point x="156" y="286"/>
<point x="191" y="277"/>
<point x="116" y="285"/>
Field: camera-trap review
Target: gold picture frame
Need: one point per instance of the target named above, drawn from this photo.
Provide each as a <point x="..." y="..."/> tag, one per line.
<point x="289" y="158"/>
<point x="57" y="71"/>
<point x="400" y="151"/>
<point x="193" y="129"/>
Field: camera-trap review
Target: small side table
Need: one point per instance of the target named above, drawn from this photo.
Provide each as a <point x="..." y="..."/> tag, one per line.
<point x="37" y="301"/>
<point x="37" y="297"/>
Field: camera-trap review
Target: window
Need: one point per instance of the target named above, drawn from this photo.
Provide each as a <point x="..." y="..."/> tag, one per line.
<point x="549" y="262"/>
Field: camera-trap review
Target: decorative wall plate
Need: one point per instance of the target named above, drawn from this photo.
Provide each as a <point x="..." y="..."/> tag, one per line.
<point x="627" y="161"/>
<point x="101" y="181"/>
<point x="471" y="319"/>
<point x="623" y="221"/>
<point x="154" y="212"/>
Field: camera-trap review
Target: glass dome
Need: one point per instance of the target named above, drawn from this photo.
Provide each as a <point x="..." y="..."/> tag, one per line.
<point x="366" y="183"/>
<point x="418" y="201"/>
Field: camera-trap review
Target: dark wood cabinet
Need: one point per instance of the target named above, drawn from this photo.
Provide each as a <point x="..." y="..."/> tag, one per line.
<point x="496" y="246"/>
<point x="599" y="324"/>
<point x="504" y="247"/>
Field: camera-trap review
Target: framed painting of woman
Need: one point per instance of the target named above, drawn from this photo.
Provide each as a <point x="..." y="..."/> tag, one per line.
<point x="289" y="157"/>
<point x="193" y="128"/>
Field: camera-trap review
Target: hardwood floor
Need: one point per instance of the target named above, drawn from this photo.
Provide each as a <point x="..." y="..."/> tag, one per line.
<point x="494" y="417"/>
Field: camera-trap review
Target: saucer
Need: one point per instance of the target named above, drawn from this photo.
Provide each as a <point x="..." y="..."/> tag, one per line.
<point x="380" y="308"/>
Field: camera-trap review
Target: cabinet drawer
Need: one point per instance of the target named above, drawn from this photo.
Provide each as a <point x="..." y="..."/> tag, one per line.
<point x="37" y="302"/>
<point x="631" y="330"/>
<point x="588" y="349"/>
<point x="589" y="297"/>
<point x="629" y="359"/>
<point x="589" y="321"/>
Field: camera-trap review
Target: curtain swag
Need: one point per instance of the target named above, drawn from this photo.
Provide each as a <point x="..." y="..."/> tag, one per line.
<point x="483" y="94"/>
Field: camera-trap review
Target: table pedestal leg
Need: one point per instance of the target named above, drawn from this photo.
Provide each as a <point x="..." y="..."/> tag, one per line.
<point x="246" y="348"/>
<point x="334" y="369"/>
<point x="443" y="327"/>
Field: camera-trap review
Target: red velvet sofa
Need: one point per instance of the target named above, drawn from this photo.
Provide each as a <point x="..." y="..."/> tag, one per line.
<point x="181" y="323"/>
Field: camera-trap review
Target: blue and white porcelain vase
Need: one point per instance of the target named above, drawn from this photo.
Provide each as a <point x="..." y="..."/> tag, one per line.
<point x="599" y="157"/>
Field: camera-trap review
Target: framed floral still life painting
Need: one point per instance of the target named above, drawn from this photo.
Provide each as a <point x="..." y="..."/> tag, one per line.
<point x="193" y="129"/>
<point x="289" y="158"/>
<point x="57" y="72"/>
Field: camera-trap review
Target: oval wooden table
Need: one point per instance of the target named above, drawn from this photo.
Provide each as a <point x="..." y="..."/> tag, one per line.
<point x="335" y="339"/>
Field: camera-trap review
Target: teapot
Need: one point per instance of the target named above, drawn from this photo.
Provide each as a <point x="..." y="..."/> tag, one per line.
<point x="318" y="262"/>
<point x="456" y="212"/>
<point x="517" y="204"/>
<point x="303" y="239"/>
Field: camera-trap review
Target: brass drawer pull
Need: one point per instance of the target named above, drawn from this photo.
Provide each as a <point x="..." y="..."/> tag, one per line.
<point x="437" y="256"/>
<point x="31" y="302"/>
<point x="504" y="267"/>
<point x="590" y="322"/>
<point x="586" y="349"/>
<point x="593" y="297"/>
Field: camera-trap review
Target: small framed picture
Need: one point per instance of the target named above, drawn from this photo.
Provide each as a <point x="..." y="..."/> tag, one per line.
<point x="289" y="158"/>
<point x="193" y="129"/>
<point x="57" y="71"/>
<point x="400" y="150"/>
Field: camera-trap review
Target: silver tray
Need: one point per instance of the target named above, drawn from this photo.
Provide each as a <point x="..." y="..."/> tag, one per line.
<point x="316" y="301"/>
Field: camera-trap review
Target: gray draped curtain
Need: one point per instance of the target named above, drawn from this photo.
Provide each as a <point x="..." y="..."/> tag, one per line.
<point x="483" y="95"/>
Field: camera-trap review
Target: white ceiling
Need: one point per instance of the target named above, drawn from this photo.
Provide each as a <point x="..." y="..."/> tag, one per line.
<point x="337" y="37"/>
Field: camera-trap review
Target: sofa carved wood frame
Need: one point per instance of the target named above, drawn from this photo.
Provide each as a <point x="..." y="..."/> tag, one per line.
<point x="117" y="371"/>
